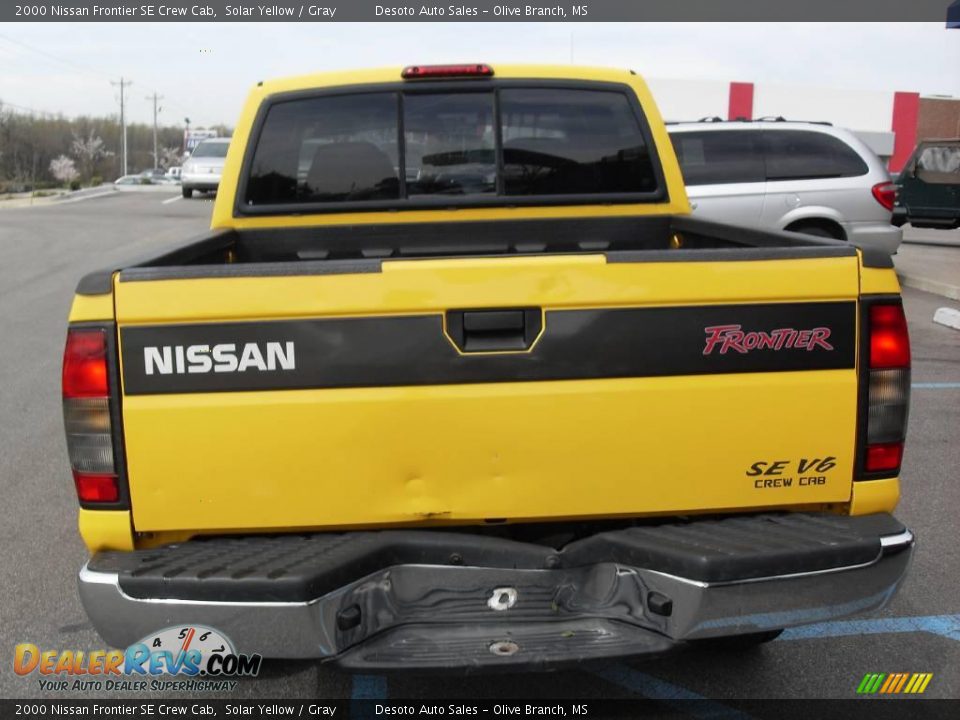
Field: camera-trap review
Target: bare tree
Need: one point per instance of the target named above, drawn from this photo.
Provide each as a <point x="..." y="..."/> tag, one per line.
<point x="63" y="169"/>
<point x="88" y="151"/>
<point x="169" y="157"/>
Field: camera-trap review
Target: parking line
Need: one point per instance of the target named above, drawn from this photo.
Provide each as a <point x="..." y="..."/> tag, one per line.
<point x="937" y="386"/>
<point x="947" y="626"/>
<point x="173" y="199"/>
<point x="369" y="687"/>
<point x="653" y="688"/>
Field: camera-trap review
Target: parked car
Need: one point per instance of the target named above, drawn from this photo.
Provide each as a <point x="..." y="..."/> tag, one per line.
<point x="805" y="177"/>
<point x="581" y="425"/>
<point x="174" y="173"/>
<point x="144" y="178"/>
<point x="202" y="169"/>
<point x="929" y="186"/>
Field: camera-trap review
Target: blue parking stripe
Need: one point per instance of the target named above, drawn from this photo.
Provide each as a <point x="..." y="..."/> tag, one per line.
<point x="653" y="688"/>
<point x="369" y="687"/>
<point x="944" y="625"/>
<point x="936" y="386"/>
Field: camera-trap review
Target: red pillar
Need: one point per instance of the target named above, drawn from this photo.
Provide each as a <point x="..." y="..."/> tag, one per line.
<point x="741" y="101"/>
<point x="906" y="113"/>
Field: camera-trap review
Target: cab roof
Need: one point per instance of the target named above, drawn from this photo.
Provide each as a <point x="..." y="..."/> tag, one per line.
<point x="392" y="74"/>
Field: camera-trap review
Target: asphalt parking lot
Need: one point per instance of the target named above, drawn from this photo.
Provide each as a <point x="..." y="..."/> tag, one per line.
<point x="45" y="250"/>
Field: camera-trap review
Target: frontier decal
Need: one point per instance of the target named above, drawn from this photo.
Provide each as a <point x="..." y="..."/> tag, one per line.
<point x="732" y="337"/>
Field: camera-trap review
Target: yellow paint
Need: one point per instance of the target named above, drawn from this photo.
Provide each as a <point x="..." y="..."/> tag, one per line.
<point x="322" y="458"/>
<point x="875" y="281"/>
<point x="874" y="496"/>
<point x="439" y="455"/>
<point x="87" y="308"/>
<point x="223" y="208"/>
<point x="106" y="529"/>
<point x="565" y="281"/>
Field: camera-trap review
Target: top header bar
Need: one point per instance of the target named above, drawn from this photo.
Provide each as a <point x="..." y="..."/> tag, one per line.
<point x="474" y="11"/>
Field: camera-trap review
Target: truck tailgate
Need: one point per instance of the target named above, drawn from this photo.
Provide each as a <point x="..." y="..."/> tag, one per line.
<point x="398" y="396"/>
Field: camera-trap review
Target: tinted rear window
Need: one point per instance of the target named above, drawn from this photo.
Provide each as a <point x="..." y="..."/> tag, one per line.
<point x="572" y="141"/>
<point x="799" y="155"/>
<point x="720" y="156"/>
<point x="350" y="148"/>
<point x="450" y="145"/>
<point x="329" y="149"/>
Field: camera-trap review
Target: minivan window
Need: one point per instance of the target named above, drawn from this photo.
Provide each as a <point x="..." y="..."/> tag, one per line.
<point x="719" y="157"/>
<point x="209" y="149"/>
<point x="558" y="141"/>
<point x="420" y="143"/>
<point x="804" y="155"/>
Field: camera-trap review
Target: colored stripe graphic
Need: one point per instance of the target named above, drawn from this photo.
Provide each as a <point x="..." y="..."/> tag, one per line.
<point x="891" y="679"/>
<point x="903" y="680"/>
<point x="894" y="683"/>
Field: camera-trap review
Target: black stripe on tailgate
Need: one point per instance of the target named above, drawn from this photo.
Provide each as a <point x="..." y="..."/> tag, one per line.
<point x="413" y="350"/>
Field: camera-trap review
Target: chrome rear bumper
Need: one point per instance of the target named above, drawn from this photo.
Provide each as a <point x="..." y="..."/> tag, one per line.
<point x="414" y="616"/>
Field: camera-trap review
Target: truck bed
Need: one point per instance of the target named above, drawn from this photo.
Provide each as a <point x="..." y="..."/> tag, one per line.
<point x="334" y="249"/>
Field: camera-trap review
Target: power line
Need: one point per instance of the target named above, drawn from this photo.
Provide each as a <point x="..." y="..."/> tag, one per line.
<point x="31" y="110"/>
<point x="71" y="64"/>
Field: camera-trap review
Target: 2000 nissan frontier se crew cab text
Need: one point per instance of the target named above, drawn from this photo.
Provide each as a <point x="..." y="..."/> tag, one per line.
<point x="454" y="381"/>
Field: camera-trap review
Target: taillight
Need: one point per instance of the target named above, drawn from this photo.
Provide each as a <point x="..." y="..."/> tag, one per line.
<point x="885" y="194"/>
<point x="86" y="415"/>
<point x="888" y="387"/>
<point x="422" y="72"/>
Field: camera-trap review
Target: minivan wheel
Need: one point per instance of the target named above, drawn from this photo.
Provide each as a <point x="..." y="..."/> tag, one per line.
<point x="818" y="229"/>
<point x="187" y="192"/>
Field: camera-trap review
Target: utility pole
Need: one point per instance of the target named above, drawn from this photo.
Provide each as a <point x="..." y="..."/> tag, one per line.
<point x="155" y="98"/>
<point x="123" y="121"/>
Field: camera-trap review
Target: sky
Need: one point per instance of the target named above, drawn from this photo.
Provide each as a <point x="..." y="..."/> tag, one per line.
<point x="204" y="70"/>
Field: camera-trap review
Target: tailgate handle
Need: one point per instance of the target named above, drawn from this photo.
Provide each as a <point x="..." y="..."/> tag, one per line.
<point x="512" y="330"/>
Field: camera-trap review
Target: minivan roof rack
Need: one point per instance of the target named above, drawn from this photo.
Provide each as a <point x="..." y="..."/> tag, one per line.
<point x="781" y="118"/>
<point x="765" y="118"/>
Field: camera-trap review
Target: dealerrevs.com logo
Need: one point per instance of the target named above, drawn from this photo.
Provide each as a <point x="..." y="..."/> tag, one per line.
<point x="724" y="338"/>
<point x="200" y="657"/>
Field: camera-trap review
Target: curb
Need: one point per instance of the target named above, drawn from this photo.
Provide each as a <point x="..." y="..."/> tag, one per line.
<point x="931" y="286"/>
<point x="80" y="198"/>
<point x="933" y="242"/>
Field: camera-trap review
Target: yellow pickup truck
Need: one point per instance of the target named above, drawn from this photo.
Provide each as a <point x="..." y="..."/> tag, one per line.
<point x="455" y="381"/>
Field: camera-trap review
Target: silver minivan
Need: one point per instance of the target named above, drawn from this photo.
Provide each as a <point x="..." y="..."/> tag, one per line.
<point x="800" y="176"/>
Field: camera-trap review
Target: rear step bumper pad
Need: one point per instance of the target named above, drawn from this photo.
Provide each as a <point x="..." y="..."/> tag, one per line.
<point x="590" y="600"/>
